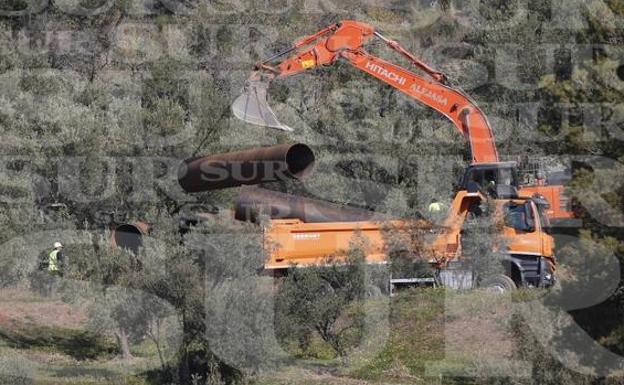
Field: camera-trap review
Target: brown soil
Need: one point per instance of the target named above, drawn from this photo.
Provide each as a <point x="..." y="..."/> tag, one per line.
<point x="22" y="307"/>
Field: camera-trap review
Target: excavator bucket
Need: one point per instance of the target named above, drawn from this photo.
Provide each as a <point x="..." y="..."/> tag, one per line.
<point x="252" y="106"/>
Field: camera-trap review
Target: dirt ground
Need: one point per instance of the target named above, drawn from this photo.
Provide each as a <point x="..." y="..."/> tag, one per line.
<point x="20" y="306"/>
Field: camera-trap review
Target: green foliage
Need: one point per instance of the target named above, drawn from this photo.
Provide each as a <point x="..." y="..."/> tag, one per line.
<point x="415" y="338"/>
<point x="166" y="82"/>
<point x="318" y="299"/>
<point x="91" y="4"/>
<point x="545" y="368"/>
<point x="78" y="344"/>
<point x="14" y="5"/>
<point x="482" y="241"/>
<point x="123" y="4"/>
<point x="95" y="95"/>
<point x="165" y="117"/>
<point x="24" y="238"/>
<point x="41" y="83"/>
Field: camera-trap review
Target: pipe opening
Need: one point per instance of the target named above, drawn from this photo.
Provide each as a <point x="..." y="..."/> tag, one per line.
<point x="620" y="72"/>
<point x="300" y="160"/>
<point x="128" y="237"/>
<point x="246" y="167"/>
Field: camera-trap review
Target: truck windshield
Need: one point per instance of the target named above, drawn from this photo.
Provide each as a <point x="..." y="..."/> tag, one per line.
<point x="519" y="216"/>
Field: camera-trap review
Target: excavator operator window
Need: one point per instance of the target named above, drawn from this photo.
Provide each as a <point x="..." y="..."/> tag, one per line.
<point x="492" y="175"/>
<point x="507" y="177"/>
<point x="519" y="217"/>
<point x="483" y="177"/>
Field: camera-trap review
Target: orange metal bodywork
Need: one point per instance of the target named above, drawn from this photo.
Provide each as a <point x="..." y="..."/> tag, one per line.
<point x="447" y="246"/>
<point x="346" y="39"/>
<point x="292" y="242"/>
<point x="555" y="195"/>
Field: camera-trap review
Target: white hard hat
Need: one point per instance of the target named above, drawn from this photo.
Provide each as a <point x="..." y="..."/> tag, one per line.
<point x="57" y="245"/>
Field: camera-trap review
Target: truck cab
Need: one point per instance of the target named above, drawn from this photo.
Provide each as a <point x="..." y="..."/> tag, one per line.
<point x="529" y="258"/>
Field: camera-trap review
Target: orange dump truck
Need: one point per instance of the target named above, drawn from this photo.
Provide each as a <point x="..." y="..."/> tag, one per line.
<point x="528" y="260"/>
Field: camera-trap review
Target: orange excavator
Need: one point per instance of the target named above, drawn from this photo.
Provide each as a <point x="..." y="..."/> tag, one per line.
<point x="345" y="41"/>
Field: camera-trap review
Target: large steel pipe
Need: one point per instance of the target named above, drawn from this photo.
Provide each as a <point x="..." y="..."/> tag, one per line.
<point x="253" y="201"/>
<point x="247" y="167"/>
<point x="129" y="236"/>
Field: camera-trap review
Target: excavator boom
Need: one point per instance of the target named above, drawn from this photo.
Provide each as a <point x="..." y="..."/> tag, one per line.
<point x="345" y="40"/>
<point x="452" y="103"/>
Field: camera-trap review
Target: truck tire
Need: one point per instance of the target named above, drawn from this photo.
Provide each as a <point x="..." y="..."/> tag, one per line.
<point x="499" y="284"/>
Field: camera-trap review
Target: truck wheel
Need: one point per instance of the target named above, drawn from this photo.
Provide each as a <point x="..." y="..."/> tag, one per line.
<point x="498" y="284"/>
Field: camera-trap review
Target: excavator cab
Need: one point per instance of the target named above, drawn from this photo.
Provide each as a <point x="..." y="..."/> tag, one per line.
<point x="499" y="180"/>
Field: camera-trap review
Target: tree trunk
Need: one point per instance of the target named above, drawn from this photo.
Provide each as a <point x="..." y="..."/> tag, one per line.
<point x="344" y="359"/>
<point x="445" y="5"/>
<point x="184" y="371"/>
<point x="153" y="333"/>
<point x="124" y="345"/>
<point x="305" y="339"/>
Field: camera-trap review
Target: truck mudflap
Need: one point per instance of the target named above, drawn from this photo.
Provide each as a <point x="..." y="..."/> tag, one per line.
<point x="530" y="270"/>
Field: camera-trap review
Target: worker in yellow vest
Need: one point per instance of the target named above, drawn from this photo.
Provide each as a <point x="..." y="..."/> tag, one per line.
<point x="435" y="206"/>
<point x="435" y="210"/>
<point x="56" y="259"/>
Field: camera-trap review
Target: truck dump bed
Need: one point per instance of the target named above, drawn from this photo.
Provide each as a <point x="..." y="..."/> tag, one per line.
<point x="292" y="242"/>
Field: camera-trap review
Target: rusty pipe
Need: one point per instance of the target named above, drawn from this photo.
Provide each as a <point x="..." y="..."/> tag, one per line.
<point x="253" y="201"/>
<point x="129" y="236"/>
<point x="247" y="167"/>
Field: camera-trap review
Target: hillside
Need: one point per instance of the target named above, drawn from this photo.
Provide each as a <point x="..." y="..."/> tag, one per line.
<point x="103" y="104"/>
<point x="46" y="339"/>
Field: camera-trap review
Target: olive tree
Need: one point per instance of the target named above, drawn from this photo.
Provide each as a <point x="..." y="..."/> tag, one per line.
<point x="324" y="300"/>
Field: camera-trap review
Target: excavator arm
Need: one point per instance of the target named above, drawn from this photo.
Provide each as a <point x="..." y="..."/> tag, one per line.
<point x="345" y="40"/>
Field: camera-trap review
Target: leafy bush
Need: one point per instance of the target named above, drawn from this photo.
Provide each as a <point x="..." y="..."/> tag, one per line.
<point x="320" y="300"/>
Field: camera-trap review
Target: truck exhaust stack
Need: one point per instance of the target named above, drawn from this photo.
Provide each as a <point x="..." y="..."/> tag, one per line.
<point x="247" y="167"/>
